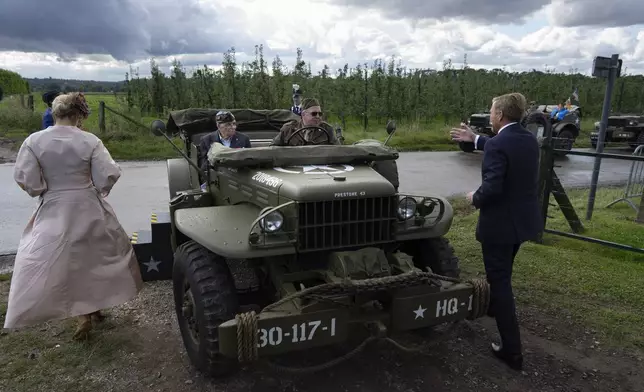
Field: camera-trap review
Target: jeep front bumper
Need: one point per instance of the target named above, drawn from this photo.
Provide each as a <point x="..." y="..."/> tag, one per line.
<point x="410" y="308"/>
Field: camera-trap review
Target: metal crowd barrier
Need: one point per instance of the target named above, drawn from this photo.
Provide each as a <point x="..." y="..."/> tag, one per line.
<point x="635" y="185"/>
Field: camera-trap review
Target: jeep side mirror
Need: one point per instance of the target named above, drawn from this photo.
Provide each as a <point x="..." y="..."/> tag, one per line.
<point x="391" y="127"/>
<point x="157" y="128"/>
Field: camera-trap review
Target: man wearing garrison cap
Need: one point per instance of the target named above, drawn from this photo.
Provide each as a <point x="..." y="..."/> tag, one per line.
<point x="311" y="117"/>
<point x="225" y="134"/>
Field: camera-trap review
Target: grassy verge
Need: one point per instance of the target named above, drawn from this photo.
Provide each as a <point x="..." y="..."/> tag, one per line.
<point x="45" y="355"/>
<point x="130" y="142"/>
<point x="598" y="286"/>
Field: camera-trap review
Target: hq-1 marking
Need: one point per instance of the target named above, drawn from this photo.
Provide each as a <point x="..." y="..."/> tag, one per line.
<point x="444" y="307"/>
<point x="302" y="332"/>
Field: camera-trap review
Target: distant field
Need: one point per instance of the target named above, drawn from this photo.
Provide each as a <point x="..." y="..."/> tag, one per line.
<point x="127" y="141"/>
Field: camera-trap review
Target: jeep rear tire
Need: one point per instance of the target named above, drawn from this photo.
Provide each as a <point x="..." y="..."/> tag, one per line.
<point x="569" y="140"/>
<point x="466" y="146"/>
<point x="204" y="297"/>
<point x="538" y="118"/>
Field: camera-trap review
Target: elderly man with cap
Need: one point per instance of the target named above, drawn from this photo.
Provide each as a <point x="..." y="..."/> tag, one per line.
<point x="225" y="134"/>
<point x="47" y="117"/>
<point x="311" y="117"/>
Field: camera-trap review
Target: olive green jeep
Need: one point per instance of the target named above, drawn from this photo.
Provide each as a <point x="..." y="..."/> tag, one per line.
<point x="285" y="248"/>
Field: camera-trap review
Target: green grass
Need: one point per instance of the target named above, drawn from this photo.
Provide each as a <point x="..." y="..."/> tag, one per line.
<point x="126" y="141"/>
<point x="600" y="287"/>
<point x="34" y="358"/>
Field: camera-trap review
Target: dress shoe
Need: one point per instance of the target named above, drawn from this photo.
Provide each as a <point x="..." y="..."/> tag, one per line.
<point x="514" y="361"/>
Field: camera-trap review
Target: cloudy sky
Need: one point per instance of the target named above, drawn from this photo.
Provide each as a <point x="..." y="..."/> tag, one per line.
<point x="76" y="39"/>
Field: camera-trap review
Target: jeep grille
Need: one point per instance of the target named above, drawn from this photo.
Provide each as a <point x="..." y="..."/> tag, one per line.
<point x="480" y="122"/>
<point x="618" y="122"/>
<point x="335" y="224"/>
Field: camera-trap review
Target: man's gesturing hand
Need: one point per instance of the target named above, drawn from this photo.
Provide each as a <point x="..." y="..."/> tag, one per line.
<point x="462" y="134"/>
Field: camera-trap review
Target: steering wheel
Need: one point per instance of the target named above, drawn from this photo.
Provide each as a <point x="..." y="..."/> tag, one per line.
<point x="307" y="142"/>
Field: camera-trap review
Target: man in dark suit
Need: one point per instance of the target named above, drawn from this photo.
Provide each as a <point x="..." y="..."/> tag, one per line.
<point x="509" y="210"/>
<point x="225" y="134"/>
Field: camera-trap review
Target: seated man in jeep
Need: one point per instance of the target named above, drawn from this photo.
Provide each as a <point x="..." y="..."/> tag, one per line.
<point x="311" y="117"/>
<point x="225" y="134"/>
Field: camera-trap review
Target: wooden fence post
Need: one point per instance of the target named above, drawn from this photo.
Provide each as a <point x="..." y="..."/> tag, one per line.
<point x="640" y="214"/>
<point x="101" y="116"/>
<point x="30" y="102"/>
<point x="22" y="100"/>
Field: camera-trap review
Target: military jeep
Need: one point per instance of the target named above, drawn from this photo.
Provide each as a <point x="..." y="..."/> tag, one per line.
<point x="288" y="247"/>
<point x="564" y="131"/>
<point x="622" y="128"/>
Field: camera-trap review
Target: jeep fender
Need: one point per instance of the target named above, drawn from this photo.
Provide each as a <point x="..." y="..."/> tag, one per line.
<point x="181" y="176"/>
<point x="224" y="230"/>
<point x="435" y="228"/>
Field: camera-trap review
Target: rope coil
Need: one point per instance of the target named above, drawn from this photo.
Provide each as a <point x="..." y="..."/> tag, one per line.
<point x="247" y="350"/>
<point x="247" y="336"/>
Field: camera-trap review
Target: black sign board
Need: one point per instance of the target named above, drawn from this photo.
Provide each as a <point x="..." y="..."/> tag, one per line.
<point x="601" y="67"/>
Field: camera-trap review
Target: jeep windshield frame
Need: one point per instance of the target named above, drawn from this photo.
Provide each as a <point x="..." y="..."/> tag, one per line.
<point x="282" y="156"/>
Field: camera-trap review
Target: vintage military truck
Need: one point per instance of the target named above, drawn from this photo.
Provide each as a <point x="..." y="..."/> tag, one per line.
<point x="288" y="247"/>
<point x="622" y="128"/>
<point x="564" y="131"/>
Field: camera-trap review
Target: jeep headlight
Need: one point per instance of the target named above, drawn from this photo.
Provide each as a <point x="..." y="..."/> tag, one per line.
<point x="271" y="222"/>
<point x="406" y="208"/>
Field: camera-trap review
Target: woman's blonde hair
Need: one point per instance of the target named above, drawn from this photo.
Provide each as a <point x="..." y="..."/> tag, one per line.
<point x="72" y="105"/>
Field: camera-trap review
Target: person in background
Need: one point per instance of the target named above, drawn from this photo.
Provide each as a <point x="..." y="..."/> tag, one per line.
<point x="47" y="118"/>
<point x="74" y="258"/>
<point x="225" y="134"/>
<point x="297" y="100"/>
<point x="509" y="211"/>
<point x="564" y="109"/>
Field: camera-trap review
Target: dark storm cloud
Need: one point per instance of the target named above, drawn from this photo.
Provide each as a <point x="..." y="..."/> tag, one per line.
<point x="125" y="29"/>
<point x="487" y="11"/>
<point x="621" y="13"/>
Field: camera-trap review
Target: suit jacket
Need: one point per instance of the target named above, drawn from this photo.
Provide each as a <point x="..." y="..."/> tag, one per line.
<point x="239" y="140"/>
<point x="508" y="197"/>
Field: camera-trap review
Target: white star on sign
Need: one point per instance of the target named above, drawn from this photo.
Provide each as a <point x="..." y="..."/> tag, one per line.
<point x="420" y="312"/>
<point x="152" y="265"/>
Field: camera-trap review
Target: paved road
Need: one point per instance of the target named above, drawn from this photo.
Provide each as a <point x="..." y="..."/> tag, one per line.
<point x="143" y="186"/>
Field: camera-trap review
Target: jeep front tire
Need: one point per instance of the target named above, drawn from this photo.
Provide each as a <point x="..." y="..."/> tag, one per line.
<point x="204" y="296"/>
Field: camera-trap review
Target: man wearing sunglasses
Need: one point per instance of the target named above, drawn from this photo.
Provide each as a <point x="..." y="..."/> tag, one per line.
<point x="311" y="117"/>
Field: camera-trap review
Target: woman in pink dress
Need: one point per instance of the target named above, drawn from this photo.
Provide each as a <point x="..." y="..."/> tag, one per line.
<point x="74" y="258"/>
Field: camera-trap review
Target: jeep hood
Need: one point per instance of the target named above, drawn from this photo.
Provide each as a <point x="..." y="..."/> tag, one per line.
<point x="323" y="182"/>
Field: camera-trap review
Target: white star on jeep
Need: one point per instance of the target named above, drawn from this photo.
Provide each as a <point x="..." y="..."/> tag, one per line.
<point x="309" y="168"/>
<point x="420" y="312"/>
<point x="152" y="265"/>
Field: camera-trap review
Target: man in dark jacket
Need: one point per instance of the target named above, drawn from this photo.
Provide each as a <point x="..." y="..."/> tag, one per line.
<point x="297" y="100"/>
<point x="311" y="117"/>
<point x="225" y="134"/>
<point x="509" y="210"/>
<point x="47" y="117"/>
